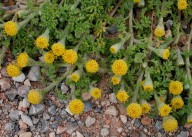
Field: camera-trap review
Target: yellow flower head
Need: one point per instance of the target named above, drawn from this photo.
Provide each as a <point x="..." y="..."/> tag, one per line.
<point x="163" y="98"/>
<point x="166" y="54"/>
<point x="122" y="96"/>
<point x="92" y="66"/>
<point x="76" y="106"/>
<point x="175" y="87"/>
<point x="96" y="93"/>
<point x="189" y="119"/>
<point x="115" y="48"/>
<point x="119" y="67"/>
<point x="145" y="106"/>
<point x="34" y="97"/>
<point x="58" y="49"/>
<point x="163" y="53"/>
<point x="13" y="70"/>
<point x="159" y="31"/>
<point x="75" y="76"/>
<point x="49" y="57"/>
<point x="22" y="60"/>
<point x="11" y="28"/>
<point x="42" y="42"/>
<point x="177" y="102"/>
<point x="164" y="109"/>
<point x="137" y="1"/>
<point x="148" y="83"/>
<point x="148" y="87"/>
<point x="134" y="110"/>
<point x="182" y="4"/>
<point x="115" y="80"/>
<point x="170" y="124"/>
<point x="70" y="56"/>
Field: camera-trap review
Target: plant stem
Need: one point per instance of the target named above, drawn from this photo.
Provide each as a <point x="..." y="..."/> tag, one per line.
<point x="3" y="50"/>
<point x="116" y="7"/>
<point x="137" y="87"/>
<point x="157" y="98"/>
<point x="131" y="27"/>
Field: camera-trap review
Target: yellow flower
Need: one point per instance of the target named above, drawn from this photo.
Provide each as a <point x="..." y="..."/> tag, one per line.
<point x="13" y="70"/>
<point x="122" y="96"/>
<point x="75" y="76"/>
<point x="189" y="119"/>
<point x="164" y="109"/>
<point x="134" y="110"/>
<point x="115" y="48"/>
<point x="170" y="124"/>
<point x="159" y="31"/>
<point x="70" y="56"/>
<point x="163" y="98"/>
<point x="92" y="66"/>
<point x="148" y="87"/>
<point x="116" y="80"/>
<point x="177" y="102"/>
<point x="182" y="4"/>
<point x="58" y="49"/>
<point x="148" y="83"/>
<point x="163" y="53"/>
<point x="42" y="42"/>
<point x="76" y="106"/>
<point x="145" y="106"/>
<point x="166" y="54"/>
<point x="49" y="57"/>
<point x="119" y="67"/>
<point x="11" y="28"/>
<point x="96" y="93"/>
<point x="175" y="87"/>
<point x="34" y="97"/>
<point x="137" y="1"/>
<point x="22" y="60"/>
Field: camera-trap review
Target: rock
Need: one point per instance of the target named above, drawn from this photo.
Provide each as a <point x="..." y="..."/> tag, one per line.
<point x="142" y="135"/>
<point x="60" y="129"/>
<point x="52" y="110"/>
<point x="70" y="128"/>
<point x="27" y="82"/>
<point x="52" y="134"/>
<point x="112" y="29"/>
<point x="86" y="96"/>
<point x="119" y="130"/>
<point x="44" y="126"/>
<point x="27" y="120"/>
<point x="36" y="109"/>
<point x="112" y="98"/>
<point x="35" y="120"/>
<point x="23" y="90"/>
<point x="4" y="72"/>
<point x="9" y="127"/>
<point x="46" y="116"/>
<point x="11" y="94"/>
<point x="183" y="134"/>
<point x="4" y="84"/>
<point x="34" y="73"/>
<point x="158" y="125"/>
<point x="89" y="121"/>
<point x="26" y="134"/>
<point x="104" y="132"/>
<point x="137" y="123"/>
<point x="78" y="134"/>
<point x="19" y="78"/>
<point x="64" y="88"/>
<point x="112" y="111"/>
<point x="26" y="103"/>
<point x="123" y="119"/>
<point x="122" y="109"/>
<point x="22" y="125"/>
<point x="146" y="121"/>
<point x="14" y="115"/>
<point x="88" y="106"/>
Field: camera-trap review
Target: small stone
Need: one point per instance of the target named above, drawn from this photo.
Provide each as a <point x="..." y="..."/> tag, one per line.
<point x="60" y="129"/>
<point x="64" y="88"/>
<point x="122" y="109"/>
<point x="46" y="116"/>
<point x="14" y="115"/>
<point x="183" y="134"/>
<point x="52" y="110"/>
<point x="34" y="73"/>
<point x="78" y="134"/>
<point x="146" y="121"/>
<point x="70" y="128"/>
<point x="36" y="109"/>
<point x="106" y="126"/>
<point x="88" y="106"/>
<point x="23" y="90"/>
<point x="145" y="130"/>
<point x="4" y="84"/>
<point x="142" y="135"/>
<point x="89" y="121"/>
<point x="52" y="134"/>
<point x="26" y="134"/>
<point x="119" y="130"/>
<point x="11" y="94"/>
<point x="27" y="120"/>
<point x="86" y="96"/>
<point x="112" y="111"/>
<point x="9" y="126"/>
<point x="4" y="72"/>
<point x="26" y="103"/>
<point x="137" y="123"/>
<point x="22" y="125"/>
<point x="27" y="82"/>
<point x="44" y="126"/>
<point x="158" y="125"/>
<point x="19" y="78"/>
<point x="112" y="29"/>
<point x="112" y="98"/>
<point x="104" y="132"/>
<point x="123" y="119"/>
<point x="35" y="120"/>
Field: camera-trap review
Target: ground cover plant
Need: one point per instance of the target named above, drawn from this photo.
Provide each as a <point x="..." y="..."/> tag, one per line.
<point x="148" y="58"/>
